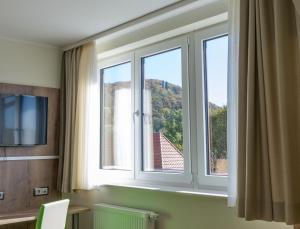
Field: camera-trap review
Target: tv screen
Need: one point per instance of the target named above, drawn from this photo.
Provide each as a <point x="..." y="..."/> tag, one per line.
<point x="23" y="120"/>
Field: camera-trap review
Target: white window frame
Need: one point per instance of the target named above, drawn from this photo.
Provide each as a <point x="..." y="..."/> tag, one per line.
<point x="164" y="177"/>
<point x="194" y="177"/>
<point x="205" y="180"/>
<point x="109" y="175"/>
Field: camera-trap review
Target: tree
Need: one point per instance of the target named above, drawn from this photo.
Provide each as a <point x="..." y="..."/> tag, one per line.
<point x="173" y="127"/>
<point x="167" y="110"/>
<point x="218" y="131"/>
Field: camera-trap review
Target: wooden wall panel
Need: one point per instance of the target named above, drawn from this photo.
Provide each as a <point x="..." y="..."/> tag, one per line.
<point x="53" y="120"/>
<point x="18" y="178"/>
<point x="43" y="173"/>
<point x="14" y="182"/>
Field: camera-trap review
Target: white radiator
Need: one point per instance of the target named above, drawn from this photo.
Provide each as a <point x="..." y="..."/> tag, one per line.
<point x="116" y="217"/>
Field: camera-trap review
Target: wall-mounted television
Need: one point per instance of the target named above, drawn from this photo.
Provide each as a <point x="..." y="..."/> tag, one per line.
<point x="23" y="120"/>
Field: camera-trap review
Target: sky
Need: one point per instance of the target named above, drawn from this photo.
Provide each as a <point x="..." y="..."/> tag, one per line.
<point x="217" y="57"/>
<point x="117" y="73"/>
<point x="167" y="66"/>
<point x="164" y="66"/>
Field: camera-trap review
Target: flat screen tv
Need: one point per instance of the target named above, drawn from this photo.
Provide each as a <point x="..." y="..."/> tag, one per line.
<point x="23" y="120"/>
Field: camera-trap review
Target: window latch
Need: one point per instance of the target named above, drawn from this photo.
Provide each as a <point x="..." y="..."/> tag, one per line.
<point x="136" y="113"/>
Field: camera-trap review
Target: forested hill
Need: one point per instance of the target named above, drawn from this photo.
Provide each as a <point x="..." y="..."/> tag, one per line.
<point x="167" y="117"/>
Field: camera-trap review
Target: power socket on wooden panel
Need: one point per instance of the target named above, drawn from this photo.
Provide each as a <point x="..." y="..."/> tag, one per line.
<point x="41" y="191"/>
<point x="1" y="195"/>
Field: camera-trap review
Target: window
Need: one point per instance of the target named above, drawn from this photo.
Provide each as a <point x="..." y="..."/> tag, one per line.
<point x="211" y="51"/>
<point x="162" y="129"/>
<point x="215" y="78"/>
<point x="116" y="117"/>
<point x="164" y="112"/>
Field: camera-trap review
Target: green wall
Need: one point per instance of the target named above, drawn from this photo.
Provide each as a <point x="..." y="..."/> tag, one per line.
<point x="176" y="210"/>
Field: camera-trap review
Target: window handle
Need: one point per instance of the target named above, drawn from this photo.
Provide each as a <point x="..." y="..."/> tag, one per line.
<point x="135" y="114"/>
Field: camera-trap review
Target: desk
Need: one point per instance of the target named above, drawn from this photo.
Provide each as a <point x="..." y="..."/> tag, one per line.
<point x="30" y="215"/>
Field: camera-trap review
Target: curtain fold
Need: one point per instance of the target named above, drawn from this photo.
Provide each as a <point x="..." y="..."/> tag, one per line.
<point x="297" y="6"/>
<point x="79" y="119"/>
<point x="68" y="98"/>
<point x="122" y="144"/>
<point x="269" y="112"/>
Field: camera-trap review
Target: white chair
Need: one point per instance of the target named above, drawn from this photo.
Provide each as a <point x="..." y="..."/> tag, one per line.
<point x="53" y="215"/>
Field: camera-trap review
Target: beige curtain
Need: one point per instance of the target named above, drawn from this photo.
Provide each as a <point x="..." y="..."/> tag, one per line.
<point x="68" y="98"/>
<point x="269" y="112"/>
<point x="78" y="79"/>
<point x="87" y="123"/>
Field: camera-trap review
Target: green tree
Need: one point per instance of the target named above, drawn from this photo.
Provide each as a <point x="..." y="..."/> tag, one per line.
<point x="173" y="127"/>
<point x="167" y="110"/>
<point x="218" y="131"/>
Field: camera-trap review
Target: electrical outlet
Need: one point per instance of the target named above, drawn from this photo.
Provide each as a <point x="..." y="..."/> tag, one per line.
<point x="41" y="191"/>
<point x="1" y="195"/>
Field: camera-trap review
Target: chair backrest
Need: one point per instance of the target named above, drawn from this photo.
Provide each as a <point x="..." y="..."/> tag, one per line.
<point x="53" y="215"/>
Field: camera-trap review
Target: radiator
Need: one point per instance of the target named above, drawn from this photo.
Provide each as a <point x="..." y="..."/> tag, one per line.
<point x="116" y="217"/>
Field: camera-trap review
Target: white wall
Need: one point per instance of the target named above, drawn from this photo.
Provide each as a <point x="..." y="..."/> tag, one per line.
<point x="29" y="64"/>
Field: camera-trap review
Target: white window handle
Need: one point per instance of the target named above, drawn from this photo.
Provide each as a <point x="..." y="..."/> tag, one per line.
<point x="136" y="113"/>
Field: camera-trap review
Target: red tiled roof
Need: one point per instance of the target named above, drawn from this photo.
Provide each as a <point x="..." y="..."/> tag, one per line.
<point x="166" y="155"/>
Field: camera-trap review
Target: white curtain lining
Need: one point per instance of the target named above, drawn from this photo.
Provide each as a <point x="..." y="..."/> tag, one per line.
<point x="234" y="8"/>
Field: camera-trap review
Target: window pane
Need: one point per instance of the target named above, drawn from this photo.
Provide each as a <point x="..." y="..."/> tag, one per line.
<point x="117" y="117"/>
<point x="215" y="56"/>
<point x="162" y="112"/>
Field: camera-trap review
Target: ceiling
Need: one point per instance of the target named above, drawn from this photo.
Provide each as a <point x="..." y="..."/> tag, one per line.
<point x="63" y="22"/>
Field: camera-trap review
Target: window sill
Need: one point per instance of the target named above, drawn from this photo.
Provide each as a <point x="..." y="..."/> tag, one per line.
<point x="182" y="190"/>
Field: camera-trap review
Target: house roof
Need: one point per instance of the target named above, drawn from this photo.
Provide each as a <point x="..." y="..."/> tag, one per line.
<point x="166" y="155"/>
